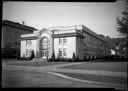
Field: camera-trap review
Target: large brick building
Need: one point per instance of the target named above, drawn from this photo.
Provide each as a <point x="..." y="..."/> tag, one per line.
<point x="11" y="32"/>
<point x="64" y="41"/>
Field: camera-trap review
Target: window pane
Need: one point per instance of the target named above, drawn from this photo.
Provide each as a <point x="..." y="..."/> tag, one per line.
<point x="45" y="43"/>
<point x="60" y="52"/>
<point x="60" y="40"/>
<point x="65" y="51"/>
<point x="43" y="53"/>
<point x="28" y="52"/>
<point x="28" y="42"/>
<point x="46" y="53"/>
<point x="65" y="40"/>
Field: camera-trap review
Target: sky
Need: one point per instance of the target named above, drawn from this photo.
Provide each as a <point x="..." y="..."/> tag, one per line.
<point x="100" y="17"/>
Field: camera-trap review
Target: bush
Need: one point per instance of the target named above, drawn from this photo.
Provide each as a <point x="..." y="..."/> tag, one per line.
<point x="85" y="58"/>
<point x="74" y="57"/>
<point x="23" y="58"/>
<point x="33" y="55"/>
<point x="53" y="56"/>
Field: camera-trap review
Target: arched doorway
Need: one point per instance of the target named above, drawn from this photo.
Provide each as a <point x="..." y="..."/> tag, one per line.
<point x="45" y="47"/>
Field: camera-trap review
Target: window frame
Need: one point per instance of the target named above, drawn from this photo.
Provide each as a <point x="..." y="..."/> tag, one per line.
<point x="28" y="42"/>
<point x="64" y="52"/>
<point x="60" y="52"/>
<point x="65" y="40"/>
<point x="60" y="40"/>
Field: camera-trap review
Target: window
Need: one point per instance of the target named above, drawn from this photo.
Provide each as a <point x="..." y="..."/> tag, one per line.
<point x="60" y="52"/>
<point x="60" y="40"/>
<point x="65" y="52"/>
<point x="28" y="42"/>
<point x="45" y="43"/>
<point x="28" y="52"/>
<point x="65" y="40"/>
<point x="43" y="53"/>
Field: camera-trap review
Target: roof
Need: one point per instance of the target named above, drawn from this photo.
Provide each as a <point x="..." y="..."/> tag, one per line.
<point x="82" y="28"/>
<point x="93" y="33"/>
<point x="29" y="38"/>
<point x="18" y="25"/>
<point x="67" y="35"/>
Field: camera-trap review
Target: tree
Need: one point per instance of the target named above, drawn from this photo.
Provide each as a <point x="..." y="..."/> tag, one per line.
<point x="123" y="25"/>
<point x="74" y="57"/>
<point x="123" y="22"/>
<point x="33" y="55"/>
<point x="53" y="56"/>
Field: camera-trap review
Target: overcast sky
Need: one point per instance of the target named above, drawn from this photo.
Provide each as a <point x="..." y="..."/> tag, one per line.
<point x="99" y="17"/>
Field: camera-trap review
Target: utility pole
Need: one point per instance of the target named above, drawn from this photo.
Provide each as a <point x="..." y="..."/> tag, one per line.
<point x="47" y="48"/>
<point x="53" y="40"/>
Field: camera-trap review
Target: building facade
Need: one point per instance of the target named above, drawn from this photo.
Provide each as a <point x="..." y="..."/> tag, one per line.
<point x="63" y="41"/>
<point x="11" y="32"/>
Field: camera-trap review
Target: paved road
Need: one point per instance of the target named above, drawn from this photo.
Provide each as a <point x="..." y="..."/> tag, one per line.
<point x="50" y="73"/>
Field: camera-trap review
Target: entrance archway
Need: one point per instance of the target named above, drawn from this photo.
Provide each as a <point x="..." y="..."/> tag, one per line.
<point x="45" y="47"/>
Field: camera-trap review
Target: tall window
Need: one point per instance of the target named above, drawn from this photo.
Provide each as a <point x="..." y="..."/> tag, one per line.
<point x="60" y="52"/>
<point x="60" y="40"/>
<point x="43" y="53"/>
<point x="45" y="43"/>
<point x="28" y="52"/>
<point x="65" y="52"/>
<point x="65" y="40"/>
<point x="28" y="42"/>
<point x="45" y="47"/>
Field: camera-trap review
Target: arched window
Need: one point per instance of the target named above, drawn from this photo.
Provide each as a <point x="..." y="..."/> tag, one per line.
<point x="45" y="43"/>
<point x="45" y="47"/>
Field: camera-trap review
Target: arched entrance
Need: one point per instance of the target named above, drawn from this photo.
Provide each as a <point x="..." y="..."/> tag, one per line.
<point x="45" y="47"/>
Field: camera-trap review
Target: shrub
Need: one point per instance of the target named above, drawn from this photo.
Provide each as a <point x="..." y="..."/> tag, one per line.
<point x="53" y="56"/>
<point x="33" y="55"/>
<point x="74" y="57"/>
<point x="85" y="58"/>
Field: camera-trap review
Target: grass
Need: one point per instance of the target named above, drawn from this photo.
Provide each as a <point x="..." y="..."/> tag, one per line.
<point x="98" y="78"/>
<point x="10" y="60"/>
<point x="36" y="64"/>
<point x="107" y="66"/>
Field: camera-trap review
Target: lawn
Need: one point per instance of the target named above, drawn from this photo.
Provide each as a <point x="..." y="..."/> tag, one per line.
<point x="36" y="64"/>
<point x="107" y="66"/>
<point x="10" y="60"/>
<point x="14" y="78"/>
<point x="98" y="78"/>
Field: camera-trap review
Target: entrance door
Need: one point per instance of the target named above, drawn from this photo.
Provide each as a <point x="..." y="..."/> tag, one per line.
<point x="45" y="47"/>
<point x="44" y="54"/>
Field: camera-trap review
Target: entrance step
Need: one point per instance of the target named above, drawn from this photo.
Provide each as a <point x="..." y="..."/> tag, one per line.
<point x="39" y="59"/>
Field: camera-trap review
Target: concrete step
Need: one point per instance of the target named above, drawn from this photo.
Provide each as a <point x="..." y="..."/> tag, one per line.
<point x="39" y="59"/>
